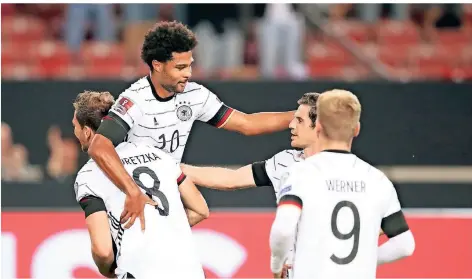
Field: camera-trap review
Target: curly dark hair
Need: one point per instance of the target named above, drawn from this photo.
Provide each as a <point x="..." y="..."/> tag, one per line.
<point x="164" y="38"/>
<point x="310" y="99"/>
<point x="91" y="107"/>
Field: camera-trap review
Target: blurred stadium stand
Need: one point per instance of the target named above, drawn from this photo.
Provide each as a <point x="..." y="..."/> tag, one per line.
<point x="432" y="42"/>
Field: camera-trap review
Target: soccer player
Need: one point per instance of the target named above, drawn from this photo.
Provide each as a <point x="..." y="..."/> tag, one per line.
<point x="268" y="172"/>
<point x="160" y="110"/>
<point x="333" y="203"/>
<point x="166" y="248"/>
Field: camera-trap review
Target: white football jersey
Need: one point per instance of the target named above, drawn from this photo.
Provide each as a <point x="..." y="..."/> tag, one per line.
<point x="166" y="248"/>
<point x="344" y="200"/>
<point x="166" y="123"/>
<point x="277" y="166"/>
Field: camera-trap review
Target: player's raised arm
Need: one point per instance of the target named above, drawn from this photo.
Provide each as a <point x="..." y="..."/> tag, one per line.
<point x="110" y="133"/>
<point x="283" y="231"/>
<point x="258" y="123"/>
<point x="401" y="242"/>
<point x="217" y="114"/>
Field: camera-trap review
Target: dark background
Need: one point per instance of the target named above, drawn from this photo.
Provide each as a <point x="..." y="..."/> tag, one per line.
<point x="414" y="124"/>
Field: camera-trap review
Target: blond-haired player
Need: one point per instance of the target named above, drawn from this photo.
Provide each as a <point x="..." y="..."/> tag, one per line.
<point x="332" y="204"/>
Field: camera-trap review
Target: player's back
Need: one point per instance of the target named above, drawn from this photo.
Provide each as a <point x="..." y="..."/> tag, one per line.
<point x="344" y="201"/>
<point x="166" y="247"/>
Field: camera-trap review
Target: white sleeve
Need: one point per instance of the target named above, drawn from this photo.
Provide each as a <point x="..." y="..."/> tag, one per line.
<point x="270" y="167"/>
<point x="291" y="185"/>
<point x="282" y="235"/>
<point x="214" y="112"/>
<point x="393" y="204"/>
<point x="82" y="187"/>
<point x="396" y="248"/>
<point x="127" y="108"/>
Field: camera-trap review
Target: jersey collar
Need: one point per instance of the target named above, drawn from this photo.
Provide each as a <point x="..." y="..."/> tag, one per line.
<point x="337" y="151"/>
<point x="154" y="92"/>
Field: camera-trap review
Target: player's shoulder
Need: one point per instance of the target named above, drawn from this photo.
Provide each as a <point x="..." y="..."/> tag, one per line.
<point x="138" y="91"/>
<point x="372" y="173"/>
<point x="194" y="90"/>
<point x="288" y="156"/>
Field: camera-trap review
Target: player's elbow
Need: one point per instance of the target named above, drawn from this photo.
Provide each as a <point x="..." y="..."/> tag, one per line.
<point x="102" y="254"/>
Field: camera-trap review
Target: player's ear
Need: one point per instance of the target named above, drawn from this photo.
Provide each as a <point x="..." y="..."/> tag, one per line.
<point x="87" y="132"/>
<point x="317" y="126"/>
<point x="157" y="66"/>
<point x="357" y="129"/>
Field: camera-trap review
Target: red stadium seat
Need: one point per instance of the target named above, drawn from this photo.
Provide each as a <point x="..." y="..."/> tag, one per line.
<point x="53" y="57"/>
<point x="22" y="29"/>
<point x="355" y="30"/>
<point x="397" y="32"/>
<point x="17" y="71"/>
<point x="97" y="53"/>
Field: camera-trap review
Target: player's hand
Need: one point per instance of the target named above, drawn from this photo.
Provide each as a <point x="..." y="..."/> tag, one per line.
<point x="285" y="270"/>
<point x="134" y="208"/>
<point x="278" y="275"/>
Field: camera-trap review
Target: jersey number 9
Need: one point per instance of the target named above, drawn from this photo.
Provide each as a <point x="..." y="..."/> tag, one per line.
<point x="353" y="233"/>
<point x="154" y="191"/>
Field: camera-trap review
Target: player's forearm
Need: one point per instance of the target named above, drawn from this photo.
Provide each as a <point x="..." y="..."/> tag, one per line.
<point x="104" y="154"/>
<point x="282" y="235"/>
<point x="194" y="217"/>
<point x="268" y="122"/>
<point x="396" y="248"/>
<point x="217" y="178"/>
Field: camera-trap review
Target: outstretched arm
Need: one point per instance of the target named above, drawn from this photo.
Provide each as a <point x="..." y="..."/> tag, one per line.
<point x="258" y="123"/>
<point x="220" y="178"/>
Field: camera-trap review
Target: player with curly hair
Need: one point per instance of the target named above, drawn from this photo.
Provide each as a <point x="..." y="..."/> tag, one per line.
<point x="160" y="109"/>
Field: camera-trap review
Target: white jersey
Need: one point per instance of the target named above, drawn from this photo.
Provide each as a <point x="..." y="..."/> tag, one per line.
<point x="166" y="123"/>
<point x="166" y="248"/>
<point x="277" y="166"/>
<point x="344" y="200"/>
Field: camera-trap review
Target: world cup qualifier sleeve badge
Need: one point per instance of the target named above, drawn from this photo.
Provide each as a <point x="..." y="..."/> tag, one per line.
<point x="184" y="112"/>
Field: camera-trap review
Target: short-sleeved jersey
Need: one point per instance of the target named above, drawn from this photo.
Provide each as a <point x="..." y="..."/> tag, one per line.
<point x="166" y="122"/>
<point x="343" y="200"/>
<point x="277" y="166"/>
<point x="166" y="247"/>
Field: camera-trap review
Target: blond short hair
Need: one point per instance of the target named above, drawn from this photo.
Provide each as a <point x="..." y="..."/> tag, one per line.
<point x="339" y="112"/>
<point x="91" y="107"/>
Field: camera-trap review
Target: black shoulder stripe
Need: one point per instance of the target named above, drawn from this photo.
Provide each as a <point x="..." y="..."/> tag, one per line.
<point x="114" y="128"/>
<point x="394" y="224"/>
<point x="221" y="116"/>
<point x="291" y="199"/>
<point x="92" y="204"/>
<point x="259" y="174"/>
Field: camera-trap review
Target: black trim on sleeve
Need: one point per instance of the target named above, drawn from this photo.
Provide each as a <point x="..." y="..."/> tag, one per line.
<point x="259" y="174"/>
<point x="394" y="224"/>
<point x="92" y="204"/>
<point x="291" y="199"/>
<point x="114" y="128"/>
<point x="221" y="116"/>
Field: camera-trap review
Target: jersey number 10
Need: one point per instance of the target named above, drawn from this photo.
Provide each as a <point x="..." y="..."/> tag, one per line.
<point x="154" y="191"/>
<point x="353" y="233"/>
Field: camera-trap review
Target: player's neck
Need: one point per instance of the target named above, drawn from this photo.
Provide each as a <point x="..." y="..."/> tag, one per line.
<point x="325" y="144"/>
<point x="160" y="91"/>
<point x="310" y="151"/>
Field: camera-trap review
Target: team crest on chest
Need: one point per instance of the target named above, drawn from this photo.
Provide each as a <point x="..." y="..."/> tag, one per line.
<point x="184" y="111"/>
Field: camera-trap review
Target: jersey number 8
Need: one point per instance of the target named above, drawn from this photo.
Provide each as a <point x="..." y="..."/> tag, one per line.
<point x="353" y="233"/>
<point x="154" y="191"/>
